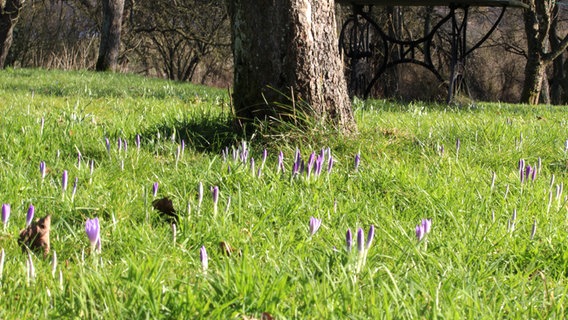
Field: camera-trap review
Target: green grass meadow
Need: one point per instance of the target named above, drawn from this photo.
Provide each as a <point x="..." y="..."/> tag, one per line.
<point x="498" y="247"/>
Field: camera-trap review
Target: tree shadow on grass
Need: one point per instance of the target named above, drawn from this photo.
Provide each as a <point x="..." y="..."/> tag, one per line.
<point x="204" y="134"/>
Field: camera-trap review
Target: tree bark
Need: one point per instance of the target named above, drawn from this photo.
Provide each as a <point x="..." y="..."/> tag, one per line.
<point x="287" y="62"/>
<point x="10" y="11"/>
<point x="538" y="19"/>
<point x="110" y="35"/>
<point x="558" y="71"/>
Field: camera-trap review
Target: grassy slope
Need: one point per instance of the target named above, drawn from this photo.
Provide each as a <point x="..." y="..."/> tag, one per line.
<point x="472" y="266"/>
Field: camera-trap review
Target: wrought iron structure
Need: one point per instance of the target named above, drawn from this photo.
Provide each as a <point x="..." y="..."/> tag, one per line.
<point x="361" y="38"/>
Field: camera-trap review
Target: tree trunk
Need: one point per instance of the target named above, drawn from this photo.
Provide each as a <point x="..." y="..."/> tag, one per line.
<point x="558" y="71"/>
<point x="110" y="35"/>
<point x="8" y="18"/>
<point x="538" y="19"/>
<point x="287" y="63"/>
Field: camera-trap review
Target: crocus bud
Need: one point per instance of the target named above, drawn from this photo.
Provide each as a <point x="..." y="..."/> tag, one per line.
<point x="42" y="169"/>
<point x="370" y="237"/>
<point x="92" y="228"/>
<point x="31" y="268"/>
<point x="280" y="161"/>
<point x="360" y="241"/>
<point x="5" y="214"/>
<point x="30" y="215"/>
<point x="74" y="188"/>
<point x="420" y="232"/>
<point x="204" y="258"/>
<point x="79" y="157"/>
<point x="215" y="195"/>
<point x="107" y="145"/>
<point x="64" y="179"/>
<point x="155" y="187"/>
<point x="199" y="194"/>
<point x="54" y="264"/>
<point x="426" y="225"/>
<point x="315" y="223"/>
<point x="348" y="240"/>
<point x="264" y="156"/>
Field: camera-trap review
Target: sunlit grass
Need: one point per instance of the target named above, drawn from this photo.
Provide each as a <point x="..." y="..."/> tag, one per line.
<point x="473" y="264"/>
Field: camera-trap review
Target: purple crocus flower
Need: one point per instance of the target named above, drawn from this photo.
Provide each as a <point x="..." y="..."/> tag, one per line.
<point x="137" y="143"/>
<point x="155" y="187"/>
<point x="204" y="258"/>
<point x="319" y="164"/>
<point x="370" y="237"/>
<point x="521" y="165"/>
<point x="42" y="169"/>
<point x="528" y="172"/>
<point x="315" y="223"/>
<point x="426" y="225"/>
<point x="64" y="179"/>
<point x="330" y="164"/>
<point x="297" y="156"/>
<point x="264" y="156"/>
<point x="311" y="161"/>
<point x="348" y="240"/>
<point x="30" y="215"/>
<point x="420" y="232"/>
<point x="360" y="241"/>
<point x="79" y="157"/>
<point x="215" y="195"/>
<point x="107" y="144"/>
<point x="74" y="187"/>
<point x="522" y="170"/>
<point x="357" y="160"/>
<point x="5" y="214"/>
<point x="119" y="144"/>
<point x="295" y="168"/>
<point x="92" y="228"/>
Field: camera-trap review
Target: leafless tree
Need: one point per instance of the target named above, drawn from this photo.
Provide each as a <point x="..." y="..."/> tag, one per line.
<point x="109" y="48"/>
<point x="10" y="11"/>
<point x="538" y="19"/>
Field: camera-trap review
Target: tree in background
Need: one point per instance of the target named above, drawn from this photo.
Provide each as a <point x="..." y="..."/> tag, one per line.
<point x="539" y="18"/>
<point x="10" y="11"/>
<point x="180" y="35"/>
<point x="559" y="79"/>
<point x="110" y="35"/>
<point x="286" y="62"/>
